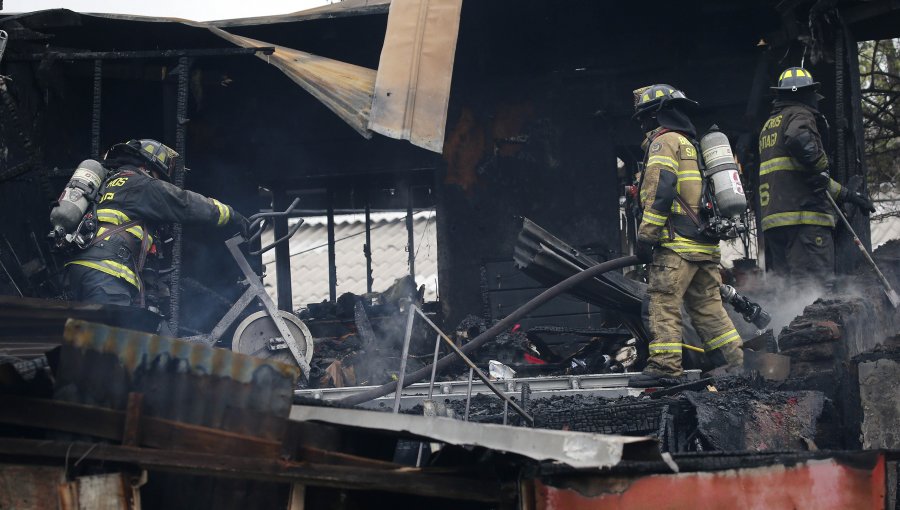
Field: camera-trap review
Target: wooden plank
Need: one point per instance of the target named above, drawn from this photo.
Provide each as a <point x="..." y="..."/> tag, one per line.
<point x="23" y="486"/>
<point x="415" y="481"/>
<point x="320" y="456"/>
<point x="130" y="436"/>
<point x="109" y="424"/>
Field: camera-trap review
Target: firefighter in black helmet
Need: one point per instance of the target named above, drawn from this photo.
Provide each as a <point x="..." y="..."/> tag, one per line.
<point x="797" y="220"/>
<point x="682" y="263"/>
<point x="135" y="197"/>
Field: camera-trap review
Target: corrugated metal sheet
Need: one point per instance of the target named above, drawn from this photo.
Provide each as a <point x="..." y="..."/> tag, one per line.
<point x="412" y="89"/>
<point x="181" y="381"/>
<point x="346" y="89"/>
<point x="29" y="327"/>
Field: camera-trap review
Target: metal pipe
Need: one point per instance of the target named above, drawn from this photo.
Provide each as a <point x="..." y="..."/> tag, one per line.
<point x="481" y="375"/>
<point x="367" y="249"/>
<point x="332" y="265"/>
<point x="437" y="350"/>
<point x="469" y="395"/>
<point x="499" y="327"/>
<point x="410" y="234"/>
<point x="404" y="356"/>
<point x="11" y="280"/>
<point x="888" y="290"/>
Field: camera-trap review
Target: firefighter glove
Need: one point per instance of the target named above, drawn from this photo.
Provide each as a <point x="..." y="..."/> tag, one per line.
<point x="861" y="201"/>
<point x="644" y="251"/>
<point x="241" y="223"/>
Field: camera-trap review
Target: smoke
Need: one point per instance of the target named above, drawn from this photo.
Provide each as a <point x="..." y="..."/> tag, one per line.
<point x="783" y="299"/>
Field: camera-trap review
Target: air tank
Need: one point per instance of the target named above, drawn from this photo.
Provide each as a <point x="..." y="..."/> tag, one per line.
<point x="722" y="172"/>
<point x="77" y="196"/>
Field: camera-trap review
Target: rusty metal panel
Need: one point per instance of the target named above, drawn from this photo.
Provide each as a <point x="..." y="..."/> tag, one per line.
<point x="181" y="381"/>
<point x="823" y="484"/>
<point x="346" y="89"/>
<point x="29" y="486"/>
<point x="412" y="89"/>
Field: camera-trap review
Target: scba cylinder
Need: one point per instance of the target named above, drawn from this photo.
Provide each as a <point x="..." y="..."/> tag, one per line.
<point x="77" y="196"/>
<point x="723" y="173"/>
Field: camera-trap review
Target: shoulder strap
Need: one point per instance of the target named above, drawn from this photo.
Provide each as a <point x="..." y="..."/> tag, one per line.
<point x="689" y="212"/>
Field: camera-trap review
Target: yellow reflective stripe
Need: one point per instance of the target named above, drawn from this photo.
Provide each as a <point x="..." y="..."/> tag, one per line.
<point x="684" y="245"/>
<point x="665" y="347"/>
<point x="834" y="188"/>
<point x="664" y="161"/>
<point x="112" y="216"/>
<point x="681" y="248"/>
<point x="654" y="219"/>
<point x="136" y="231"/>
<point x="111" y="268"/>
<point x="822" y="163"/>
<point x="778" y="164"/>
<point x="224" y="214"/>
<point x="721" y="340"/>
<point x="797" y="218"/>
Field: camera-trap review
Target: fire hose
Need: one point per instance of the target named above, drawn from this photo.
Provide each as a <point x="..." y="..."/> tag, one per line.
<point x="496" y="329"/>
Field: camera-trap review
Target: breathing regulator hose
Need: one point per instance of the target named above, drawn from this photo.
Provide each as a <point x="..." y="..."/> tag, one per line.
<point x="496" y="329"/>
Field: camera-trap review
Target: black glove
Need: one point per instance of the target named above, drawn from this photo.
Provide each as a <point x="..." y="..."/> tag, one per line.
<point x="240" y="222"/>
<point x="861" y="201"/>
<point x="819" y="182"/>
<point x="644" y="251"/>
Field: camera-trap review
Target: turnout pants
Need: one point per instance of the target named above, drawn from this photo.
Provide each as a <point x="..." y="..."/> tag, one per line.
<point x="803" y="254"/>
<point x="92" y="286"/>
<point x="675" y="281"/>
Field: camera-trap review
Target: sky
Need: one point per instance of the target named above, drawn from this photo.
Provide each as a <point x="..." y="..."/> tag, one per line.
<point x="198" y="10"/>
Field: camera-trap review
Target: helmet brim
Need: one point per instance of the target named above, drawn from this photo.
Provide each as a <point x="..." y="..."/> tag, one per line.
<point x="688" y="104"/>
<point x="814" y="84"/>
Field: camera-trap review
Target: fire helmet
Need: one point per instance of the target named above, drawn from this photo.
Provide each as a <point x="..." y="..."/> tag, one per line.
<point x="146" y="152"/>
<point x="794" y="79"/>
<point x="654" y="97"/>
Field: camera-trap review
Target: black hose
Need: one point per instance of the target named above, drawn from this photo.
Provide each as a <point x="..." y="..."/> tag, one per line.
<point x="496" y="329"/>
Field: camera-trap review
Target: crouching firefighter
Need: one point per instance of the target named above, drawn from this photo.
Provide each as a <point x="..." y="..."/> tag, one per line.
<point x="683" y="261"/>
<point x="126" y="197"/>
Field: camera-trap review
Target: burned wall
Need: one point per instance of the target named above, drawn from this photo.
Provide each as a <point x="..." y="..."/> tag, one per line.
<point x="541" y="109"/>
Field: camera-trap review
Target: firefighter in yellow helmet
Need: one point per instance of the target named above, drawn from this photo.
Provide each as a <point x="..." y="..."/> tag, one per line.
<point x="797" y="220"/>
<point x="134" y="197"/>
<point x="683" y="265"/>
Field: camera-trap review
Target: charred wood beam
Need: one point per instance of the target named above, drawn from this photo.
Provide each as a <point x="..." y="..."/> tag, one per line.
<point x="406" y="480"/>
<point x="95" y="111"/>
<point x="280" y="202"/>
<point x="332" y="264"/>
<point x="112" y="55"/>
<point x="114" y="425"/>
<point x="178" y="179"/>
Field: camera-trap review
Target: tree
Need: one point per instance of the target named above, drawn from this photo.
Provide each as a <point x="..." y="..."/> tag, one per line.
<point x="879" y="63"/>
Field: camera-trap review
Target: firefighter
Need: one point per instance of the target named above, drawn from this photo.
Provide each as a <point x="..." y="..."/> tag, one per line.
<point x="797" y="219"/>
<point x="135" y="196"/>
<point x="683" y="265"/>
